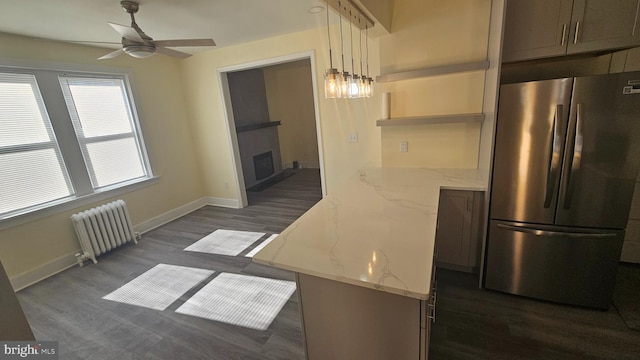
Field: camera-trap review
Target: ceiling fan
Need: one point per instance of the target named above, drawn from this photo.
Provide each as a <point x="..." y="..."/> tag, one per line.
<point x="140" y="45"/>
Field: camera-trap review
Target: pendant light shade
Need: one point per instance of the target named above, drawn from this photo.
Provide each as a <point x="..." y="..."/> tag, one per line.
<point x="354" y="87"/>
<point x="332" y="84"/>
<point x="345" y="80"/>
<point x="331" y="76"/>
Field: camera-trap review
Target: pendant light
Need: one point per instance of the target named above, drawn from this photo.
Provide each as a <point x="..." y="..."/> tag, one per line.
<point x="354" y="81"/>
<point x="345" y="77"/>
<point x="369" y="86"/>
<point x="331" y="76"/>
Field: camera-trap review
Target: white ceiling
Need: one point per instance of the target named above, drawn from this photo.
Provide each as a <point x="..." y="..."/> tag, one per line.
<point x="228" y="22"/>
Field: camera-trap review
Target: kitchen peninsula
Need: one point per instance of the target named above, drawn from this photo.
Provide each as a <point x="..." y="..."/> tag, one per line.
<point x="363" y="258"/>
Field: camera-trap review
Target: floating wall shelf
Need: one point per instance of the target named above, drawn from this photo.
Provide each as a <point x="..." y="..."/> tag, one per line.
<point x="429" y="120"/>
<point x="434" y="71"/>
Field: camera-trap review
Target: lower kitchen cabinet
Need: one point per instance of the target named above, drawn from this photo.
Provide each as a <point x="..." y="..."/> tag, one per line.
<point x="459" y="231"/>
<point x="343" y="321"/>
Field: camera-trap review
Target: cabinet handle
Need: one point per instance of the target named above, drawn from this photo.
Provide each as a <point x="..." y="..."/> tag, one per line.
<point x="577" y="156"/>
<point x="575" y="36"/>
<point x="564" y="34"/>
<point x="538" y="232"/>
<point x="432" y="308"/>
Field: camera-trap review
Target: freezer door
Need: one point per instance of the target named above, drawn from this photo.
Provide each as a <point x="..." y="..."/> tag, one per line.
<point x="532" y="121"/>
<point x="553" y="263"/>
<point x="602" y="153"/>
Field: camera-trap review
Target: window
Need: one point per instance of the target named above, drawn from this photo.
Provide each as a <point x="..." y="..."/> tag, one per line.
<point x="42" y="163"/>
<point x="32" y="168"/>
<point x="105" y="128"/>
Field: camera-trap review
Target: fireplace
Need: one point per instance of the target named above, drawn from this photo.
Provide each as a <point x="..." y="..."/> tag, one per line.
<point x="263" y="165"/>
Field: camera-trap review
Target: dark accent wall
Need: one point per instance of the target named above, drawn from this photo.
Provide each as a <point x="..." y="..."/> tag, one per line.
<point x="248" y="97"/>
<point x="250" y="108"/>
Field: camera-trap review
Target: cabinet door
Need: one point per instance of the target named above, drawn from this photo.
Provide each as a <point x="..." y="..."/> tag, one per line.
<point x="454" y="227"/>
<point x="536" y="29"/>
<point x="458" y="236"/>
<point x="603" y="24"/>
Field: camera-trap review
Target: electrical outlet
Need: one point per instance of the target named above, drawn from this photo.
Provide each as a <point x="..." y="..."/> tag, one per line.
<point x="404" y="146"/>
<point x="226" y="184"/>
<point x="353" y="137"/>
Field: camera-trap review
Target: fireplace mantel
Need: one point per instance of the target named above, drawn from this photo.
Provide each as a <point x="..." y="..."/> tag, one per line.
<point x="257" y="126"/>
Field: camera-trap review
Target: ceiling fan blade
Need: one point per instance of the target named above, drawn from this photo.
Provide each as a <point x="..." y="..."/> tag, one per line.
<point x="185" y="42"/>
<point x="127" y="32"/>
<point x="171" y="52"/>
<point x="91" y="42"/>
<point x="112" y="54"/>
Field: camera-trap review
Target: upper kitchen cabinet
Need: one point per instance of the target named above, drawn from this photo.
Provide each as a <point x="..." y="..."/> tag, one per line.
<point x="547" y="28"/>
<point x="536" y="29"/>
<point x="603" y="24"/>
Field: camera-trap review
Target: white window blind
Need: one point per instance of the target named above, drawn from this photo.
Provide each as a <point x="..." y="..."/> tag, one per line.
<point x="32" y="172"/>
<point x="106" y="129"/>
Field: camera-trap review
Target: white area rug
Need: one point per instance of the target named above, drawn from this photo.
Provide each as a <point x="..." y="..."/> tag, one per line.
<point x="262" y="244"/>
<point x="225" y="242"/>
<point x="248" y="301"/>
<point x="159" y="287"/>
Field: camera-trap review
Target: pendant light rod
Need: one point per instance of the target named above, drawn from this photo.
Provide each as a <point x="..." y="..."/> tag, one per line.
<point x="341" y="38"/>
<point x="353" y="70"/>
<point x="367" y="44"/>
<point x="360" y="49"/>
<point x="329" y="37"/>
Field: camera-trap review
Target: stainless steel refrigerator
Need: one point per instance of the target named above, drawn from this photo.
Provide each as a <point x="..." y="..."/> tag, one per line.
<point x="566" y="158"/>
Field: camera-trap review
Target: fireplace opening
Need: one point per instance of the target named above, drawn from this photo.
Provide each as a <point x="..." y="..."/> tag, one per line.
<point x="263" y="165"/>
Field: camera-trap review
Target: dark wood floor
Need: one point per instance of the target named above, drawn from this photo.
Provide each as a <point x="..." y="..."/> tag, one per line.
<point x="69" y="308"/>
<point x="471" y="323"/>
<point x="481" y="324"/>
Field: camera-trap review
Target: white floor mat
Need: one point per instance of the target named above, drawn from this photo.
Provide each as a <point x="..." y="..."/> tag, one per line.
<point x="159" y="287"/>
<point x="225" y="242"/>
<point x="262" y="244"/>
<point x="242" y="300"/>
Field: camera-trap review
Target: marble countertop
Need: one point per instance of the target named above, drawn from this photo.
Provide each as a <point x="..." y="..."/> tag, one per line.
<point x="376" y="230"/>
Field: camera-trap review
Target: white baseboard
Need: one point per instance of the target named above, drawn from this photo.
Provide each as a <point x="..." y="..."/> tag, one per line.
<point x="223" y="202"/>
<point x="43" y="271"/>
<point x="169" y="216"/>
<point x="64" y="262"/>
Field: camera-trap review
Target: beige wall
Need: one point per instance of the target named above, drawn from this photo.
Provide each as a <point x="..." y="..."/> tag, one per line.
<point x="429" y="33"/>
<point x="290" y="97"/>
<point x="159" y="97"/>
<point x="338" y="117"/>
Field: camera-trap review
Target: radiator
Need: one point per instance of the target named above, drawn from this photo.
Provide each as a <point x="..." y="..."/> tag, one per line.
<point x="102" y="229"/>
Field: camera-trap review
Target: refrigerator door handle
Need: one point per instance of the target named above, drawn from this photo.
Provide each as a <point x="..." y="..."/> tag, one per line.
<point x="576" y="158"/>
<point x="538" y="232"/>
<point x="554" y="158"/>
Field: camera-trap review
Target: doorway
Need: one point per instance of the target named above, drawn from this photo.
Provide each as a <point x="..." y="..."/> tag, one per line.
<point x="273" y="123"/>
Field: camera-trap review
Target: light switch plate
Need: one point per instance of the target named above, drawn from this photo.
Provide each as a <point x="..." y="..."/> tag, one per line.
<point x="404" y="146"/>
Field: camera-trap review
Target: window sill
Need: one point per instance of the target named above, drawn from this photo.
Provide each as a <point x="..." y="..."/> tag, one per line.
<point x="75" y="202"/>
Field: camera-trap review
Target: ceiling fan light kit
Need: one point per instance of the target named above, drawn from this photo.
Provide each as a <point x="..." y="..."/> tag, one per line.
<point x="140" y="51"/>
<point x="139" y="45"/>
